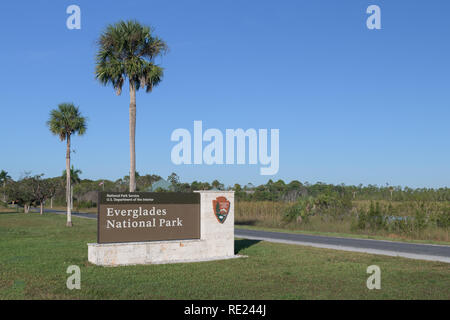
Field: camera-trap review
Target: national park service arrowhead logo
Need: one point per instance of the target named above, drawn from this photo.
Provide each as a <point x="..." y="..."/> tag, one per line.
<point x="221" y="207"/>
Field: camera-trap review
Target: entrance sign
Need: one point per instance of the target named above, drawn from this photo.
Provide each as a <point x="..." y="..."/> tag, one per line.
<point x="148" y="216"/>
<point x="164" y="227"/>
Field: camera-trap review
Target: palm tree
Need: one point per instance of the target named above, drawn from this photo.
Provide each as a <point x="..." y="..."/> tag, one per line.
<point x="4" y="177"/>
<point x="74" y="179"/>
<point x="63" y="122"/>
<point x="127" y="50"/>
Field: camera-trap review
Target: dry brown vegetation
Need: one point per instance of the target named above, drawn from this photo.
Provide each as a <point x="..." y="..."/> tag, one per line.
<point x="268" y="214"/>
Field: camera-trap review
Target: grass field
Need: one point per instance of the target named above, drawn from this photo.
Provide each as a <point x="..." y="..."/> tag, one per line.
<point x="35" y="252"/>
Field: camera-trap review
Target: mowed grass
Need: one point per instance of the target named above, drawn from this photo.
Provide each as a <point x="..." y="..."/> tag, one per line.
<point x="35" y="252"/>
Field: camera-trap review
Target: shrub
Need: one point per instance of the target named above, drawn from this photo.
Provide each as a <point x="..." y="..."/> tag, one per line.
<point x="86" y="204"/>
<point x="375" y="217"/>
<point x="303" y="208"/>
<point x="402" y="225"/>
<point x="443" y="218"/>
<point x="420" y="220"/>
<point x="362" y="221"/>
<point x="324" y="205"/>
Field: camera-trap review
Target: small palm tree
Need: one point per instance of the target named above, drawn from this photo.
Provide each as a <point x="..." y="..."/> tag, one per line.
<point x="127" y="50"/>
<point x="74" y="179"/>
<point x="4" y="177"/>
<point x="63" y="122"/>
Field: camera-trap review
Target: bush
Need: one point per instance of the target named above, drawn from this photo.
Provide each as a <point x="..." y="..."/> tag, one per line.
<point x="402" y="226"/>
<point x="324" y="205"/>
<point x="375" y="217"/>
<point x="443" y="218"/>
<point x="303" y="209"/>
<point x="326" y="202"/>
<point x="86" y="204"/>
<point x="420" y="220"/>
<point x="362" y="221"/>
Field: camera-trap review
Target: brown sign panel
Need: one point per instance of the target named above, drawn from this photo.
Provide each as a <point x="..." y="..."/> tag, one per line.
<point x="148" y="216"/>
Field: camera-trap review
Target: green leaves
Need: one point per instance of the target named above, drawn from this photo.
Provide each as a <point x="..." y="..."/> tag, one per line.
<point x="4" y="176"/>
<point x="66" y="120"/>
<point x="128" y="49"/>
<point x="74" y="175"/>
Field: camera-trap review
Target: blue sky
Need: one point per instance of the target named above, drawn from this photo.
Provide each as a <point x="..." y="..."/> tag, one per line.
<point x="352" y="105"/>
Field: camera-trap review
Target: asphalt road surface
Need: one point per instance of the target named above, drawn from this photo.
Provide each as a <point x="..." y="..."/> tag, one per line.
<point x="383" y="247"/>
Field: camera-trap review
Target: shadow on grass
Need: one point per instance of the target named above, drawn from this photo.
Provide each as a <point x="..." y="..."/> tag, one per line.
<point x="9" y="212"/>
<point x="246" y="223"/>
<point x="243" y="244"/>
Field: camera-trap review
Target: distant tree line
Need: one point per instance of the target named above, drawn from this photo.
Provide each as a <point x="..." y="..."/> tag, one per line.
<point x="36" y="190"/>
<point x="31" y="191"/>
<point x="281" y="191"/>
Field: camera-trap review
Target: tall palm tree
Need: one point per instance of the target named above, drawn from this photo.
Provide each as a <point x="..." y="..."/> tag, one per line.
<point x="63" y="122"/>
<point x="127" y="50"/>
<point x="4" y="177"/>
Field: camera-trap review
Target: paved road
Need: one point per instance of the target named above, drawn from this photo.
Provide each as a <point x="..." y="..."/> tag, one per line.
<point x="390" y="248"/>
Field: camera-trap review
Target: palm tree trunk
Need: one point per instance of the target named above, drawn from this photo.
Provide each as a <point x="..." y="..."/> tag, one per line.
<point x="42" y="208"/>
<point x="132" y="136"/>
<point x="69" y="213"/>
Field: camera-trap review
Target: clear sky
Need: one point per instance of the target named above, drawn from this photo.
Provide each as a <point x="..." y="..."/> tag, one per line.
<point x="353" y="105"/>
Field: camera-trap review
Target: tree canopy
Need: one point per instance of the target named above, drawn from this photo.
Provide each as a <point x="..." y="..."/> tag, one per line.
<point x="128" y="49"/>
<point x="66" y="120"/>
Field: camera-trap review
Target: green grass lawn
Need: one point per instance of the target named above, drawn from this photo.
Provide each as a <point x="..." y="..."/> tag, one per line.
<point x="35" y="252"/>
